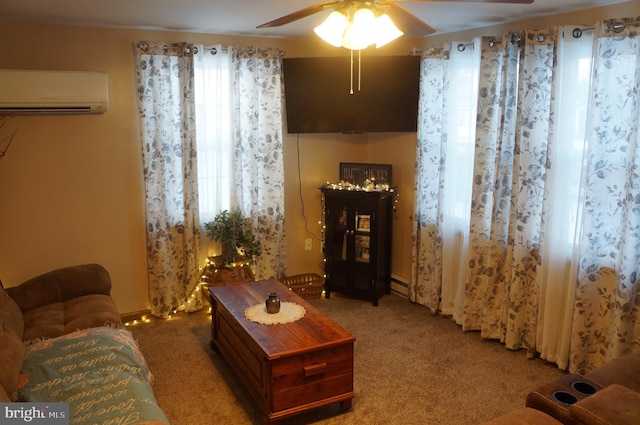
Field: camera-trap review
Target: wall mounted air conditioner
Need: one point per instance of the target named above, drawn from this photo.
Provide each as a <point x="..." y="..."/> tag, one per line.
<point x="52" y="92"/>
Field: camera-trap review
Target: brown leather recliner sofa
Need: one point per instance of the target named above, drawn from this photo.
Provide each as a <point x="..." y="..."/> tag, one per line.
<point x="608" y="395"/>
<point x="62" y="340"/>
<point x="66" y="299"/>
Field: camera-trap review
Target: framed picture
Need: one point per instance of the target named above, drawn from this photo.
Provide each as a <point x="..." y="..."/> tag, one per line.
<point x="363" y="223"/>
<point x="362" y="248"/>
<point x="342" y="220"/>
<point x="357" y="173"/>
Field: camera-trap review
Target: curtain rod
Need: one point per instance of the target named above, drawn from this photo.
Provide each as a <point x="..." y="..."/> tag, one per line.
<point x="461" y="47"/>
<point x="491" y="42"/>
<point x="577" y="33"/>
<point x="145" y="47"/>
<point x="617" y="28"/>
<point x="251" y="50"/>
<point x="213" y="50"/>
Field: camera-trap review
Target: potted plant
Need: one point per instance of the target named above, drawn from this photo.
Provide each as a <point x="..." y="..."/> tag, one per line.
<point x="236" y="237"/>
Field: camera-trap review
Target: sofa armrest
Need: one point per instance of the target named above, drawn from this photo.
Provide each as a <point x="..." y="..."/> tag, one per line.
<point x="61" y="285"/>
<point x="624" y="370"/>
<point x="614" y="405"/>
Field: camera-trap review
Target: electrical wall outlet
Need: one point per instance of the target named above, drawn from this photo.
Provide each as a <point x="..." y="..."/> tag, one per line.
<point x="308" y="244"/>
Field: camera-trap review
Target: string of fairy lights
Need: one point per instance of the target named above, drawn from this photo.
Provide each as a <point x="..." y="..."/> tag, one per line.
<point x="191" y="304"/>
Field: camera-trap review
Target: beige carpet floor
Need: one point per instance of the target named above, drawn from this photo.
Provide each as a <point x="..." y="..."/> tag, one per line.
<point x="410" y="368"/>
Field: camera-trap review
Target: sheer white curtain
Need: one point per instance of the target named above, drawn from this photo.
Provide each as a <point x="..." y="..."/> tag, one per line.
<point x="460" y="129"/>
<point x="557" y="276"/>
<point x="442" y="188"/>
<point x="212" y="83"/>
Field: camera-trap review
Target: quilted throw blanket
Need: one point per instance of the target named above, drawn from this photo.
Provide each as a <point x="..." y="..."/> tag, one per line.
<point x="100" y="372"/>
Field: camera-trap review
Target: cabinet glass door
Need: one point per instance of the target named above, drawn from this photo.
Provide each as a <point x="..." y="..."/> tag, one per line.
<point x="349" y="247"/>
<point x="363" y="237"/>
<point x="361" y="248"/>
<point x="339" y="249"/>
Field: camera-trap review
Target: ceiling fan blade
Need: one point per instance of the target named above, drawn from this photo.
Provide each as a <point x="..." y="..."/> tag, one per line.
<point x="464" y="1"/>
<point x="302" y="13"/>
<point x="407" y="22"/>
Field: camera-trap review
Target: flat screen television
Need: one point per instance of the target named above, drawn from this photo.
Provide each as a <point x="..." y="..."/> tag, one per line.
<point x="318" y="99"/>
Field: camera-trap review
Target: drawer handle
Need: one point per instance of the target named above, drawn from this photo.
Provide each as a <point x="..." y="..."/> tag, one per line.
<point x="315" y="369"/>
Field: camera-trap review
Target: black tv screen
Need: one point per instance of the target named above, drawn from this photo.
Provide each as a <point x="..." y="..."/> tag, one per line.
<point x="318" y="99"/>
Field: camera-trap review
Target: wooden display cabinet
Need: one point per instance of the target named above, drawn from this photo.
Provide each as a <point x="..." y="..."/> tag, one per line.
<point x="358" y="242"/>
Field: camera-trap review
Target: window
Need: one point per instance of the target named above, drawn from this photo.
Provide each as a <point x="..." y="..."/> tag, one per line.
<point x="213" y="131"/>
<point x="575" y="73"/>
<point x="461" y="110"/>
<point x="574" y="69"/>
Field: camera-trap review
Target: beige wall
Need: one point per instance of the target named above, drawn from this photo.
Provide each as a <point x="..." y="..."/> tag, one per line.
<point x="71" y="186"/>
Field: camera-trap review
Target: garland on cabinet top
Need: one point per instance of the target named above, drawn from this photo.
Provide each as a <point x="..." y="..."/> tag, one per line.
<point x="367" y="186"/>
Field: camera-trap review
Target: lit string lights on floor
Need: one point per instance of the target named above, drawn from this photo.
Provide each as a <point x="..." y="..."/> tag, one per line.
<point x="192" y="304"/>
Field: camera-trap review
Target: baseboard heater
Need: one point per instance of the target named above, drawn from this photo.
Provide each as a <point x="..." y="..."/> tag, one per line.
<point x="399" y="285"/>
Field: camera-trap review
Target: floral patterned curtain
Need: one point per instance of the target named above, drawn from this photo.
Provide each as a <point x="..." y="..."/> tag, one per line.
<point x="523" y="283"/>
<point x="164" y="83"/>
<point x="259" y="179"/>
<point x="427" y="239"/>
<point x="484" y="305"/>
<point x="510" y="189"/>
<point x="607" y="305"/>
<point x="498" y="294"/>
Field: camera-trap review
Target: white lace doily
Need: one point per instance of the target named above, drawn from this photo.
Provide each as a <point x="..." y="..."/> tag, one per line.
<point x="289" y="312"/>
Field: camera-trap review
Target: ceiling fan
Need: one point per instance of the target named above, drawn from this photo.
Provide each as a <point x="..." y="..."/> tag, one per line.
<point x="406" y="22"/>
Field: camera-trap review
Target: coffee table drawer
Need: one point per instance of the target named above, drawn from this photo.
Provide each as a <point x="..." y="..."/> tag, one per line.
<point x="310" y="377"/>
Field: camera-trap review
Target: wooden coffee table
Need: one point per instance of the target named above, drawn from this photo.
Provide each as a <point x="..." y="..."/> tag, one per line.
<point x="287" y="368"/>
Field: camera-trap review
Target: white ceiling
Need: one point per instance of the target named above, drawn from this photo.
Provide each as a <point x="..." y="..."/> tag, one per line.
<point x="240" y="17"/>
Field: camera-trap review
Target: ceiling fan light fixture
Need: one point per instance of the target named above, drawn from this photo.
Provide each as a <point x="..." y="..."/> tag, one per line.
<point x="357" y="30"/>
<point x="386" y="31"/>
<point x="333" y="28"/>
<point x="360" y="33"/>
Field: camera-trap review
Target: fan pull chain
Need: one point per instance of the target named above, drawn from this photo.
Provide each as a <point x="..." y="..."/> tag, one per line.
<point x="351" y="88"/>
<point x="359" y="70"/>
